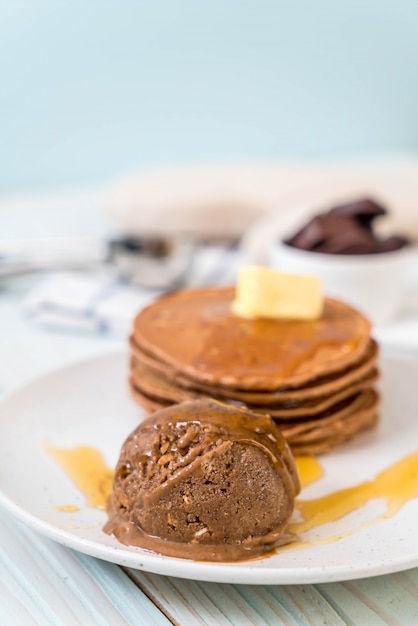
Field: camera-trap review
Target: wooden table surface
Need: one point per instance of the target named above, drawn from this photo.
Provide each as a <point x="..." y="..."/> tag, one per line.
<point x="42" y="582"/>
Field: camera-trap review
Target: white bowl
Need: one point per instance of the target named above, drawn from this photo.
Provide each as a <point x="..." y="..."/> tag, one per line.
<point x="373" y="283"/>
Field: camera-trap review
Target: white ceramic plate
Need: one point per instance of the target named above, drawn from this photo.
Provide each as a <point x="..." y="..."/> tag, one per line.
<point x="88" y="404"/>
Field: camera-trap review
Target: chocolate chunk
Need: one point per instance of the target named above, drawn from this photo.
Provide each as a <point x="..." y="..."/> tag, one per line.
<point x="364" y="211"/>
<point x="355" y="241"/>
<point x="320" y="229"/>
<point x="346" y="229"/>
<point x="396" y="242"/>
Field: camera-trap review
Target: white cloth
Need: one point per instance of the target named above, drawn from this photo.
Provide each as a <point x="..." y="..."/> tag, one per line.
<point x="96" y="303"/>
<point x="85" y="303"/>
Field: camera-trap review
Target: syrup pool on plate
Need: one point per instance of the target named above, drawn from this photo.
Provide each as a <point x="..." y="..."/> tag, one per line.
<point x="88" y="471"/>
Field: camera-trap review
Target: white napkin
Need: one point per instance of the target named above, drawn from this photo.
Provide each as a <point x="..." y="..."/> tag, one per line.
<point x="97" y="303"/>
<point x="85" y="302"/>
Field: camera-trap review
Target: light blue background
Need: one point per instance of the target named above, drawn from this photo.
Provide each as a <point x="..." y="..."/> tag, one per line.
<point x="90" y="88"/>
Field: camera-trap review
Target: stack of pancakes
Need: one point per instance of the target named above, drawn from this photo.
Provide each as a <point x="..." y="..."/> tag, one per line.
<point x="316" y="378"/>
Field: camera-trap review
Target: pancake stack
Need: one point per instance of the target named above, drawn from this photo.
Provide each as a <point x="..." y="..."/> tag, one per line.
<point x="315" y="378"/>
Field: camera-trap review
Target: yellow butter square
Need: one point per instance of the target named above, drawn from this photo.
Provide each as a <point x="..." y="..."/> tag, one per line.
<point x="262" y="292"/>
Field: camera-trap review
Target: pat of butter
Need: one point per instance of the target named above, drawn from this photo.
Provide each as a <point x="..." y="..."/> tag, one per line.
<point x="264" y="292"/>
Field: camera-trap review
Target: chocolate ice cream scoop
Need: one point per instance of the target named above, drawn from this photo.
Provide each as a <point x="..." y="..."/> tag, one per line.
<point x="346" y="229"/>
<point x="204" y="481"/>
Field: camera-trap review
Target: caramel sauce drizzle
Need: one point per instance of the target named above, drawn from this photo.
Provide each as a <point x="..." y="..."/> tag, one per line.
<point x="86" y="468"/>
<point x="67" y="508"/>
<point x="395" y="486"/>
<point x="309" y="470"/>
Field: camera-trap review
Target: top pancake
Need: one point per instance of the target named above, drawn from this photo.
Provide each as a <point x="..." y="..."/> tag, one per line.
<point x="195" y="331"/>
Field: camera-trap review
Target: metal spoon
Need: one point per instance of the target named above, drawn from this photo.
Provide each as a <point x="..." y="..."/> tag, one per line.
<point x="153" y="262"/>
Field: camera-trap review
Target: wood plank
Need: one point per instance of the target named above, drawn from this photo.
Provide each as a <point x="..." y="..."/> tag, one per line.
<point x="191" y="602"/>
<point x="45" y="583"/>
<point x="381" y="600"/>
<point x="384" y="600"/>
